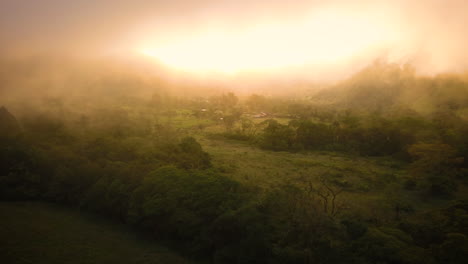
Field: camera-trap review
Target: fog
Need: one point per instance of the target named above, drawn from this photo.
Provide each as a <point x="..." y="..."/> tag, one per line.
<point x="234" y="131"/>
<point x="236" y="45"/>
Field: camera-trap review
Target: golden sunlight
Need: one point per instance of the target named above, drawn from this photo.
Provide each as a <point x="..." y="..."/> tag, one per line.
<point x="322" y="38"/>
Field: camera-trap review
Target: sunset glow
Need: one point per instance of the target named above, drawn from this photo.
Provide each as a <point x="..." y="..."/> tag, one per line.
<point x="322" y="38"/>
<point x="234" y="131"/>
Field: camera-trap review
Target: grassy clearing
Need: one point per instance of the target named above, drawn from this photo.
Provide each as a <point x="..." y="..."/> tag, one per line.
<point x="281" y="120"/>
<point x="250" y="164"/>
<point x="42" y="233"/>
<point x="187" y="122"/>
<point x="372" y="184"/>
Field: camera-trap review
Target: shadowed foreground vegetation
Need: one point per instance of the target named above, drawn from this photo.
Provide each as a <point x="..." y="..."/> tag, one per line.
<point x="34" y="232"/>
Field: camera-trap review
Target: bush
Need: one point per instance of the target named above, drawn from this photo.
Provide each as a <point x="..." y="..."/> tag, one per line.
<point x="182" y="206"/>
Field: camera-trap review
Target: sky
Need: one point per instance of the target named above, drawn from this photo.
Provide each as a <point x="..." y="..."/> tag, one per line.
<point x="231" y="36"/>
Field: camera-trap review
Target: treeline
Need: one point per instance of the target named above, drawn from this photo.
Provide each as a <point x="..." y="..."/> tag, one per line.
<point x="377" y="138"/>
<point x="374" y="135"/>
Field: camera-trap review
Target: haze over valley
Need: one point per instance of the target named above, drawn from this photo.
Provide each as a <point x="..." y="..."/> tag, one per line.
<point x="229" y="131"/>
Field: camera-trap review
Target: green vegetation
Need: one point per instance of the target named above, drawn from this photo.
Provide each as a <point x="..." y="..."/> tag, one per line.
<point x="35" y="232"/>
<point x="261" y="180"/>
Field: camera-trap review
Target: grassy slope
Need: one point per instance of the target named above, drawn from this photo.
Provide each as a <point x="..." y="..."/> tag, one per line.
<point x="43" y="233"/>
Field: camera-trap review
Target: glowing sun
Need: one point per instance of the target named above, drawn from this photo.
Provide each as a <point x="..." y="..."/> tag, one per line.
<point x="322" y="38"/>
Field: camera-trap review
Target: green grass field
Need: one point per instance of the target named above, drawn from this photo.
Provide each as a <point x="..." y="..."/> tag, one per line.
<point x="32" y="232"/>
<point x="367" y="179"/>
<point x="373" y="184"/>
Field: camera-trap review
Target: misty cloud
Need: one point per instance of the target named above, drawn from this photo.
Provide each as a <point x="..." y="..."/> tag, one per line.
<point x="429" y="33"/>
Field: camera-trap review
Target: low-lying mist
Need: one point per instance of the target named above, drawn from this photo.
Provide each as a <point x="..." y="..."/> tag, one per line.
<point x="26" y="85"/>
<point x="400" y="54"/>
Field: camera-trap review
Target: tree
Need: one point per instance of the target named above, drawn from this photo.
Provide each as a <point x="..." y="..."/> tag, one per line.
<point x="327" y="194"/>
<point x="230" y="120"/>
<point x="256" y="102"/>
<point x="277" y="136"/>
<point x="225" y="102"/>
<point x="183" y="205"/>
<point x="191" y="155"/>
<point x="437" y="165"/>
<point x="229" y="100"/>
<point x="313" y="136"/>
